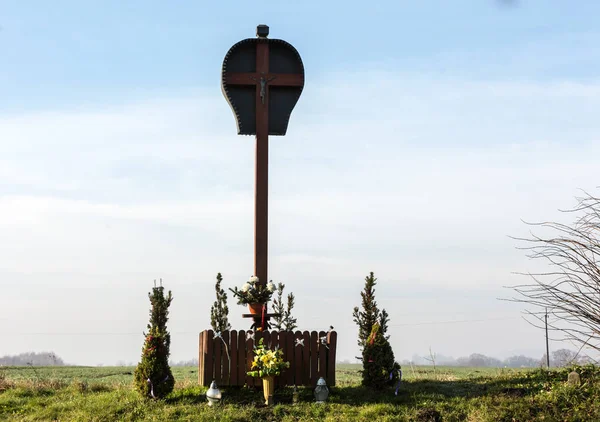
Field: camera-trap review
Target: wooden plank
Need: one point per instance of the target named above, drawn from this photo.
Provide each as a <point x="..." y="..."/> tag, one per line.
<point x="272" y="343"/>
<point x="297" y="363"/>
<point x="200" y="358"/>
<point x="306" y="359"/>
<point x="281" y="336"/>
<point x="281" y="79"/>
<point x="225" y="358"/>
<point x="322" y="348"/>
<point x="332" y="343"/>
<point x="248" y="359"/>
<point x="208" y="358"/>
<point x="241" y="377"/>
<point x="233" y="353"/>
<point x="256" y="381"/>
<point x="314" y="358"/>
<point x="218" y="343"/>
<point x="250" y="355"/>
<point x="289" y="345"/>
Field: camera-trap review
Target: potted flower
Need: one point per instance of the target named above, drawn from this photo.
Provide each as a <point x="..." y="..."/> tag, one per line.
<point x="267" y="364"/>
<point x="254" y="294"/>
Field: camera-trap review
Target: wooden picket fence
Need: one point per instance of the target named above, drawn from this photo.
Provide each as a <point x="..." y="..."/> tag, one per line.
<point x="227" y="358"/>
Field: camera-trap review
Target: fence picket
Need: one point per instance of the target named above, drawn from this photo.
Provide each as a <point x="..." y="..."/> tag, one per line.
<point x="209" y="363"/>
<point x="306" y="359"/>
<point x="314" y="358"/>
<point x="249" y="356"/>
<point x="201" y="359"/>
<point x="322" y="357"/>
<point x="332" y="343"/>
<point x="241" y="352"/>
<point x="290" y="349"/>
<point x="233" y="354"/>
<point x="225" y="358"/>
<point x="298" y="358"/>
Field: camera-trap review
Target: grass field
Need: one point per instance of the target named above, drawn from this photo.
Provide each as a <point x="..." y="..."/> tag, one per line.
<point x="443" y="394"/>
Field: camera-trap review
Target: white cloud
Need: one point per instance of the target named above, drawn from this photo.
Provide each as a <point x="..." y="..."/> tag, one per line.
<point x="420" y="181"/>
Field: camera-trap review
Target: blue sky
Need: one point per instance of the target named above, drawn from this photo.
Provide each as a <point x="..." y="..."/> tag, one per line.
<point x="425" y="133"/>
<point x="69" y="53"/>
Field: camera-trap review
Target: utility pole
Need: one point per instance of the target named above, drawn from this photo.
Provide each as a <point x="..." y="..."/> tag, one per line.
<point x="547" y="345"/>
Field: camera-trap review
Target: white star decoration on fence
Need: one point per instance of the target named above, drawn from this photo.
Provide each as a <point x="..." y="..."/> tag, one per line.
<point x="300" y="342"/>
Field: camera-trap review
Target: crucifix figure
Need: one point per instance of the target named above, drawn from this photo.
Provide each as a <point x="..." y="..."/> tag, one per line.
<point x="263" y="86"/>
<point x="273" y="70"/>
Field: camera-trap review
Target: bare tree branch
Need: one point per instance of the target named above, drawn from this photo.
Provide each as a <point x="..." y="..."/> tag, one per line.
<point x="570" y="289"/>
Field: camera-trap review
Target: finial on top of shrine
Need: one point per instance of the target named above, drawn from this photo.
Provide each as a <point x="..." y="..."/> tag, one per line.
<point x="262" y="31"/>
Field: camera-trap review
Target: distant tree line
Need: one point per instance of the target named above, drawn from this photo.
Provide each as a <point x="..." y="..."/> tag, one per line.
<point x="565" y="357"/>
<point x="191" y="362"/>
<point x="32" y="359"/>
<point x="558" y="358"/>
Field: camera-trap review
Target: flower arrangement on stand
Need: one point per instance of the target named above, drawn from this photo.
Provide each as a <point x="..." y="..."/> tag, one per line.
<point x="254" y="294"/>
<point x="267" y="364"/>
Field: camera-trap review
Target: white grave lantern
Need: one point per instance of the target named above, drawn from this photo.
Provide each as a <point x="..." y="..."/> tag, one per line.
<point x="321" y="391"/>
<point x="213" y="395"/>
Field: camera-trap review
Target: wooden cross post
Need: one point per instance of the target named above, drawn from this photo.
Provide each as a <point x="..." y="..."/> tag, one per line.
<point x="262" y="79"/>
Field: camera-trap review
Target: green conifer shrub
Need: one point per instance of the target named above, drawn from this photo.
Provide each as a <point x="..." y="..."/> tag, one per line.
<point x="285" y="321"/>
<point x="370" y="313"/>
<point x="219" y="312"/>
<point x="380" y="369"/>
<point x="153" y="377"/>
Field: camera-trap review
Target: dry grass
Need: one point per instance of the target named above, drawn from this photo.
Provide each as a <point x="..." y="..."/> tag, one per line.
<point x="5" y="384"/>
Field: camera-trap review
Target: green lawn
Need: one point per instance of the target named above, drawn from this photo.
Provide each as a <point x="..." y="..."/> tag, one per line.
<point x="446" y="394"/>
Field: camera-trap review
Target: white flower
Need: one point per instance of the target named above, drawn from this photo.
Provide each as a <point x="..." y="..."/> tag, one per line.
<point x="253" y="280"/>
<point x="245" y="287"/>
<point x="270" y="287"/>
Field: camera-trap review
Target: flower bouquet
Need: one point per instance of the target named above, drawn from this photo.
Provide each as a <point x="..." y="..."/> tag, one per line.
<point x="254" y="294"/>
<point x="267" y="364"/>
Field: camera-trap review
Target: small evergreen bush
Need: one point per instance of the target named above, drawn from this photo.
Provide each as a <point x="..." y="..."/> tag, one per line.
<point x="219" y="312"/>
<point x="153" y="377"/>
<point x="285" y="320"/>
<point x="380" y="369"/>
<point x="370" y="313"/>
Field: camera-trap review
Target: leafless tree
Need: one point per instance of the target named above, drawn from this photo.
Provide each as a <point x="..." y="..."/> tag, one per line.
<point x="570" y="289"/>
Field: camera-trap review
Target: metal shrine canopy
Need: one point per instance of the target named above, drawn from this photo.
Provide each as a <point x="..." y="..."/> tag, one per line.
<point x="262" y="80"/>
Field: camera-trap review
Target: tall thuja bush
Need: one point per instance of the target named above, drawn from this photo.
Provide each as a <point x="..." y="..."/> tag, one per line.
<point x="153" y="376"/>
<point x="370" y="313"/>
<point x="380" y="369"/>
<point x="219" y="312"/>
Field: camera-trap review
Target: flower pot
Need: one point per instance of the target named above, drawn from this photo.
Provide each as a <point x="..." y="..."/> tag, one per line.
<point x="268" y="388"/>
<point x="255" y="308"/>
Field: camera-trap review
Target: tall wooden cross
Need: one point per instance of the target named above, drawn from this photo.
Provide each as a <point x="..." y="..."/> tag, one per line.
<point x="274" y="71"/>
